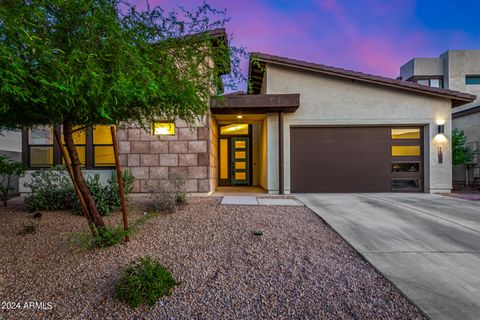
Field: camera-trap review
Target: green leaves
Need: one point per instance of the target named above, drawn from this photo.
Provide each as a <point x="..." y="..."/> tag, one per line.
<point x="89" y="62"/>
<point x="461" y="154"/>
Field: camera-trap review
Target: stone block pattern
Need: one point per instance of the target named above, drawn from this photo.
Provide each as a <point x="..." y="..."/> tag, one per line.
<point x="152" y="159"/>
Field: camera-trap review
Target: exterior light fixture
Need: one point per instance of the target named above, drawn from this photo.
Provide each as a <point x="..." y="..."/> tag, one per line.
<point x="239" y="116"/>
<point x="440" y="139"/>
<point x="163" y="128"/>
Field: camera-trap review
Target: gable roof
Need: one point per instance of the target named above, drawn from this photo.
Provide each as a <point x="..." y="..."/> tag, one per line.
<point x="258" y="62"/>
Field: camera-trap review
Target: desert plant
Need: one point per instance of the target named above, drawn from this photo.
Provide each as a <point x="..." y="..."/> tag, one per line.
<point x="144" y="281"/>
<point x="9" y="169"/>
<point x="51" y="189"/>
<point x="110" y="236"/>
<point x="106" y="196"/>
<point x="168" y="194"/>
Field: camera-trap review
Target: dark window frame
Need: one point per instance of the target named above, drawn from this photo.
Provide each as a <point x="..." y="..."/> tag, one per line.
<point x="57" y="155"/>
<point x="474" y="77"/>
<point x="429" y="78"/>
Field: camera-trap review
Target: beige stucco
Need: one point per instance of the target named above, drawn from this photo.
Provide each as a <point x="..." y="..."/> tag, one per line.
<point x="326" y="100"/>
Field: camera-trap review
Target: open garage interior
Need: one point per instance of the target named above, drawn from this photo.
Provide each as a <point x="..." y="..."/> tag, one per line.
<point x="357" y="159"/>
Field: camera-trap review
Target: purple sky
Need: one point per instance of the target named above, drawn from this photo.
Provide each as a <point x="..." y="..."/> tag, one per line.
<point x="373" y="36"/>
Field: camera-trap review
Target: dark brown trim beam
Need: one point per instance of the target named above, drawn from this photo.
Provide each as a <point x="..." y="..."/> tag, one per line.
<point x="466" y="112"/>
<point x="255" y="104"/>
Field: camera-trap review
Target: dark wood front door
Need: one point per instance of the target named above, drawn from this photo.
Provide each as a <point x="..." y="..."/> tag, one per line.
<point x="356" y="159"/>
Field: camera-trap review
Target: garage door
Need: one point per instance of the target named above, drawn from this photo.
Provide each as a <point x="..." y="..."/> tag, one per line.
<point x="356" y="159"/>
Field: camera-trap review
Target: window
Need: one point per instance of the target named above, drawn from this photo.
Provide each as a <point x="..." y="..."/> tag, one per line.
<point x="40" y="147"/>
<point x="398" y="185"/>
<point x="406" y="151"/>
<point x="80" y="139"/>
<point x="163" y="128"/>
<point x="406" y="133"/>
<point x="406" y="167"/>
<point x="433" y="82"/>
<point x="94" y="147"/>
<point x="103" y="147"/>
<point x="236" y="129"/>
<point x="472" y="79"/>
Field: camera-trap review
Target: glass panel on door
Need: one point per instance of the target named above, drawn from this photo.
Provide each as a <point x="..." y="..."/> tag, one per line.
<point x="240" y="161"/>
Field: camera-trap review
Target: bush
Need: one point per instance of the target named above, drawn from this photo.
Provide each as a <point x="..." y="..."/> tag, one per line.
<point x="144" y="282"/>
<point x="169" y="194"/>
<point x="110" y="236"/>
<point x="107" y="197"/>
<point x="9" y="169"/>
<point x="52" y="189"/>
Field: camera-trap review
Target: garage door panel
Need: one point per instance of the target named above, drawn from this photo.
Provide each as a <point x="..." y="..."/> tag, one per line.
<point x="339" y="159"/>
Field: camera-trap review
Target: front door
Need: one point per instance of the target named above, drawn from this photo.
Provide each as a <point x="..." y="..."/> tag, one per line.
<point x="240" y="156"/>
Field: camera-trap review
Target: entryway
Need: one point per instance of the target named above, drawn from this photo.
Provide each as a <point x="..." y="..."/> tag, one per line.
<point x="235" y="154"/>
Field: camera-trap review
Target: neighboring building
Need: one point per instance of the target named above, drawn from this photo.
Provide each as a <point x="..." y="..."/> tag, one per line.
<point x="454" y="70"/>
<point x="11" y="146"/>
<point x="305" y="127"/>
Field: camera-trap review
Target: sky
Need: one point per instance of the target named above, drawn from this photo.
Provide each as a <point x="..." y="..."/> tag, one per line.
<point x="372" y="36"/>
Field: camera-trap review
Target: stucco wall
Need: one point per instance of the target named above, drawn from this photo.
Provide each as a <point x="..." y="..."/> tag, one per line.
<point x="334" y="101"/>
<point x="422" y="66"/>
<point x="460" y="63"/>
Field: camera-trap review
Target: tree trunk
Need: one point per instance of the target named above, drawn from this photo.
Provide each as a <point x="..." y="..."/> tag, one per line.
<point x="78" y="176"/>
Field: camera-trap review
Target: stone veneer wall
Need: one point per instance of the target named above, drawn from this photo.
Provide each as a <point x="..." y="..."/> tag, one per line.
<point x="151" y="159"/>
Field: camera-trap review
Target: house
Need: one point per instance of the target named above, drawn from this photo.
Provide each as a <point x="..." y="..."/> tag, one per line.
<point x="304" y="127"/>
<point x="454" y="70"/>
<point x="11" y="147"/>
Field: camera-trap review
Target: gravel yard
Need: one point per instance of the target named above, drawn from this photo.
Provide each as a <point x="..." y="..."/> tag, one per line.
<point x="299" y="268"/>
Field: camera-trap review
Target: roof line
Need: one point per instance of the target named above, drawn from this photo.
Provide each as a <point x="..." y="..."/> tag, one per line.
<point x="458" y="97"/>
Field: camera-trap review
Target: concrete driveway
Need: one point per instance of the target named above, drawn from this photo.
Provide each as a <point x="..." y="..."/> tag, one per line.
<point x="427" y="245"/>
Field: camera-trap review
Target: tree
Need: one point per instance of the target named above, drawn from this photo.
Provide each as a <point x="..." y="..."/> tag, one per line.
<point x="9" y="169"/>
<point x="461" y="154"/>
<point x="85" y="62"/>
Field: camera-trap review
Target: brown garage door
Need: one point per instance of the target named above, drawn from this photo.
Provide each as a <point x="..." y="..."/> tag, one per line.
<point x="356" y="159"/>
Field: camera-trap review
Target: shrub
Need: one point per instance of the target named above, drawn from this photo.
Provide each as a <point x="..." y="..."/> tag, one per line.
<point x="169" y="194"/>
<point x="106" y="197"/>
<point x="144" y="282"/>
<point x="52" y="189"/>
<point x="9" y="169"/>
<point x="110" y="236"/>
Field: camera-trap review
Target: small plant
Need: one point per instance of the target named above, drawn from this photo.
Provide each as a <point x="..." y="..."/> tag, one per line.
<point x="170" y="194"/>
<point x="144" y="282"/>
<point x="9" y="169"/>
<point x="110" y="236"/>
<point x="30" y="228"/>
<point x="52" y="189"/>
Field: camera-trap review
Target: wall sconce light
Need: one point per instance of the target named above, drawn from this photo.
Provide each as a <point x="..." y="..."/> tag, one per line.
<point x="440" y="139"/>
<point x="239" y="116"/>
